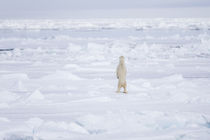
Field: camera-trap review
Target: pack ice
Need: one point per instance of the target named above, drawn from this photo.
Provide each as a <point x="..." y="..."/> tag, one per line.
<point x="58" y="81"/>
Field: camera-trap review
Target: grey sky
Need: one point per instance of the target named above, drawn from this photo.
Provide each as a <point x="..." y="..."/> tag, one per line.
<point x="103" y="8"/>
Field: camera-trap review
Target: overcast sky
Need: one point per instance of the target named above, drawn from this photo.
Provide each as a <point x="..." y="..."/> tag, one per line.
<point x="103" y="8"/>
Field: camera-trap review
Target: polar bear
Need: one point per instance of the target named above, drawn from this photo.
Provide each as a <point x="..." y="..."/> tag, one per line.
<point x="121" y="75"/>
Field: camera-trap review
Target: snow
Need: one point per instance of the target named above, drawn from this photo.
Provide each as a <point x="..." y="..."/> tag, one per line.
<point x="58" y="82"/>
<point x="4" y="105"/>
<point x="36" y="95"/>
<point x="4" y="120"/>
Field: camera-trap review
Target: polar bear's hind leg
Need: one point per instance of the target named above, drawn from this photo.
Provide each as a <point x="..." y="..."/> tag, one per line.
<point x="118" y="87"/>
<point x="125" y="88"/>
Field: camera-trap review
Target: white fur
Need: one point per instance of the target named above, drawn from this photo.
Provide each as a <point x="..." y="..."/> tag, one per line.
<point x="121" y="75"/>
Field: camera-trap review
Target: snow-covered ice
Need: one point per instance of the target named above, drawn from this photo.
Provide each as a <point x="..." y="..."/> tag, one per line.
<point x="57" y="79"/>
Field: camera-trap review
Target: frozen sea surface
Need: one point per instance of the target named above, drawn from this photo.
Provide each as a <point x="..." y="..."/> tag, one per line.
<point x="57" y="79"/>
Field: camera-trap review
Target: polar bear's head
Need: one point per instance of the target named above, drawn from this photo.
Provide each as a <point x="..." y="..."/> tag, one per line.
<point x="122" y="60"/>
